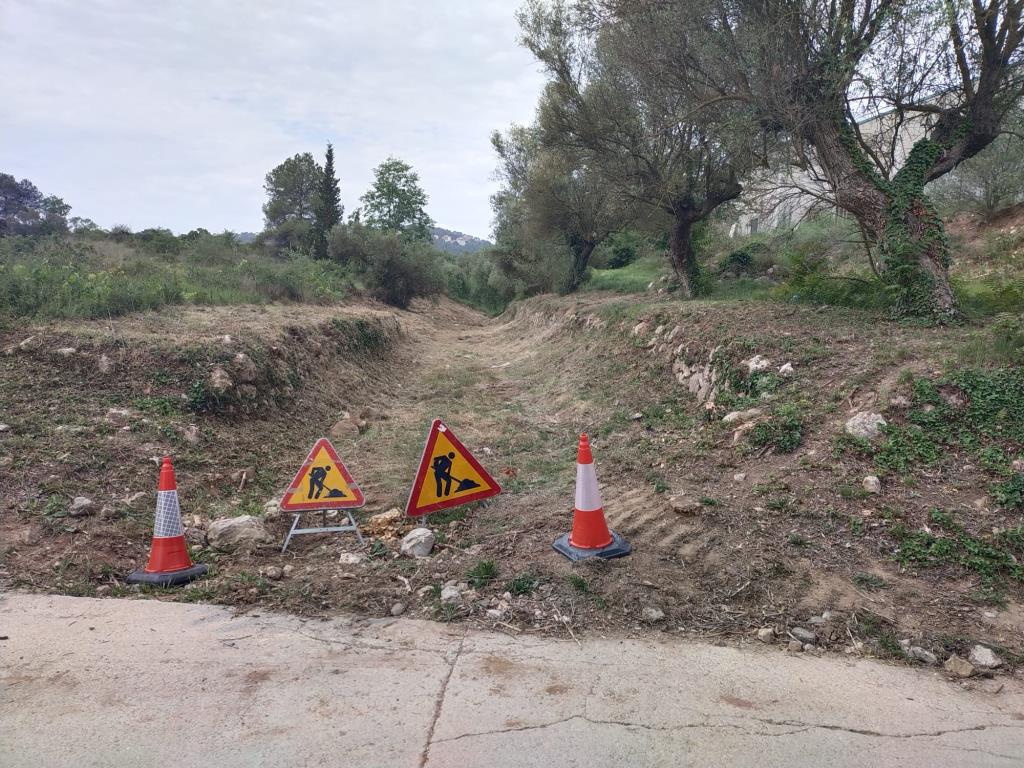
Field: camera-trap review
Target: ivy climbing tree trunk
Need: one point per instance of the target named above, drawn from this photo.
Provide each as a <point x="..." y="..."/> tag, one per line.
<point x="897" y="216"/>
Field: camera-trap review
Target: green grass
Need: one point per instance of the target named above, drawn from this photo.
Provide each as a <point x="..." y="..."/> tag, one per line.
<point x="783" y="431"/>
<point x="632" y="278"/>
<point x="53" y="278"/>
<point x="523" y="584"/>
<point x="483" y="573"/>
<point x="578" y="583"/>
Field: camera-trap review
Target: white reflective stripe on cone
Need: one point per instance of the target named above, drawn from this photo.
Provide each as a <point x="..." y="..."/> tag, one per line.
<point x="588" y="497"/>
<point x="167" y="524"/>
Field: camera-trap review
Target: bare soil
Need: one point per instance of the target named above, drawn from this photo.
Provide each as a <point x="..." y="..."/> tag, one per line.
<point x="760" y="538"/>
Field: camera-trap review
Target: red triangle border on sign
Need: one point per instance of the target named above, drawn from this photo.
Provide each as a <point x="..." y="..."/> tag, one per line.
<point x="411" y="510"/>
<point x="357" y="499"/>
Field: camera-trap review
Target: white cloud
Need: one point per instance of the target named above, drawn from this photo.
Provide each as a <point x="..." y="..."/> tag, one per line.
<point x="171" y="114"/>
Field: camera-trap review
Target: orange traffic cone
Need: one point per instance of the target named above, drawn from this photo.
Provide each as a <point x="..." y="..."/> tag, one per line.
<point x="590" y="535"/>
<point x="169" y="562"/>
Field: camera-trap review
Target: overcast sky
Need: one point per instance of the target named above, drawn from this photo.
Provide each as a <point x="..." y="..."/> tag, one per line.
<point x="170" y="114"/>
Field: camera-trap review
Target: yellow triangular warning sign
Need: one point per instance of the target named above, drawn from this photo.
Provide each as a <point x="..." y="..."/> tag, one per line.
<point x="449" y="475"/>
<point x="322" y="482"/>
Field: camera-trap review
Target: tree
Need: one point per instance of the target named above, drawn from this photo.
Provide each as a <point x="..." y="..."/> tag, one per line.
<point x="945" y="71"/>
<point x="645" y="136"/>
<point x="559" y="194"/>
<point x="292" y="191"/>
<point x="327" y="210"/>
<point x="991" y="180"/>
<point x="396" y="201"/>
<point x="24" y="210"/>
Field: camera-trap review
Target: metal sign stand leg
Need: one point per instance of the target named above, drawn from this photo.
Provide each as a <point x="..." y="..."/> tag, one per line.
<point x="296" y="531"/>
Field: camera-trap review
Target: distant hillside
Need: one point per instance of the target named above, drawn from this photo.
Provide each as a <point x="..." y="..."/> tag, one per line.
<point x="457" y="242"/>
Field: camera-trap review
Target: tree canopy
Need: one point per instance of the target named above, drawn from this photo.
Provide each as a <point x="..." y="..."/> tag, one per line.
<point x="396" y="202"/>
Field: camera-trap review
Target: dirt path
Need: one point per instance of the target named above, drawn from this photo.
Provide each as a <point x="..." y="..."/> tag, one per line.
<point x="116" y="683"/>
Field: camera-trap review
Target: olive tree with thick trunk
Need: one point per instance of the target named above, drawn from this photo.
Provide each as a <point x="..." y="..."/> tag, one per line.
<point x="943" y="73"/>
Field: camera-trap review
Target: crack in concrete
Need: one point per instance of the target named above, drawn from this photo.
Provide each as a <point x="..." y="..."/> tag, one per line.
<point x="439" y="703"/>
<point x="796" y="727"/>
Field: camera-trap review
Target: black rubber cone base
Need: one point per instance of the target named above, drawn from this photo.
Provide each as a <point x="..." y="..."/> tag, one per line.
<point x="171" y="579"/>
<point x="618" y="548"/>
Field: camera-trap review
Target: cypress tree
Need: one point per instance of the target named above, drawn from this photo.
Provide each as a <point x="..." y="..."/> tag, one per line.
<point x="328" y="206"/>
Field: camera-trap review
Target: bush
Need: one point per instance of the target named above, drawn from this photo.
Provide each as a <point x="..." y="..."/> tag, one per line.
<point x="400" y="271"/>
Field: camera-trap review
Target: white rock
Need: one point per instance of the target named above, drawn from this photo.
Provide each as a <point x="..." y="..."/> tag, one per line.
<point x="983" y="657"/>
<point x="5" y="427"/>
<point x="191" y="434"/>
<point x="351" y="558"/>
<point x="135" y="500"/>
<point x="795" y="645"/>
<point x="450" y="594"/>
<point x="747" y="415"/>
<point x="1018" y="466"/>
<point x="682" y="505"/>
<point x="766" y="634"/>
<point x="66" y="351"/>
<point x="271" y="508"/>
<point x="27" y="344"/>
<point x="274" y="573"/>
<point x="739" y="477"/>
<point x="757" y="363"/>
<point x="417" y="543"/>
<point x="652" y="614"/>
<point x="922" y="655"/>
<point x="398" y="609"/>
<point x="288" y="570"/>
<point x="785" y="371"/>
<point x="494" y="613"/>
<point x="105" y="364"/>
<point x="81" y="506"/>
<point x="237" y="533"/>
<point x="872" y="484"/>
<point x="345" y="428"/>
<point x="865" y="425"/>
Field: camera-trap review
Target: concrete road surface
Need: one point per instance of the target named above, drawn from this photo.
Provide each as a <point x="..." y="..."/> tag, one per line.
<point x="112" y="683"/>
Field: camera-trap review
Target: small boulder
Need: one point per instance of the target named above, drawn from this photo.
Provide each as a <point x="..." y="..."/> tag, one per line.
<point x="451" y="594"/>
<point x="984" y="658"/>
<point x="5" y="427"/>
<point x="244" y="368"/>
<point x="872" y="484"/>
<point x="31" y="536"/>
<point x="274" y="573"/>
<point x="803" y="635"/>
<point x="288" y="570"/>
<point x="757" y="363"/>
<point x="345" y="428"/>
<point x="683" y="505"/>
<point x="766" y="634"/>
<point x="398" y="609"/>
<point x="959" y="667"/>
<point x="795" y="646"/>
<point x="918" y="653"/>
<point x="81" y="506"/>
<point x="271" y="509"/>
<point x="237" y="533"/>
<point x="743" y="416"/>
<point x="785" y="371"/>
<point x="219" y="380"/>
<point x="351" y="558"/>
<point x="190" y="434"/>
<point x="28" y="344"/>
<point x="653" y="615"/>
<point x="383" y="521"/>
<point x="105" y="364"/>
<point x="66" y="351"/>
<point x="865" y="425"/>
<point x="417" y="543"/>
<point x="739" y="477"/>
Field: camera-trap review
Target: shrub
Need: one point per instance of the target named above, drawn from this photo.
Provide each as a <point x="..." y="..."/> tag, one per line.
<point x="400" y="271"/>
